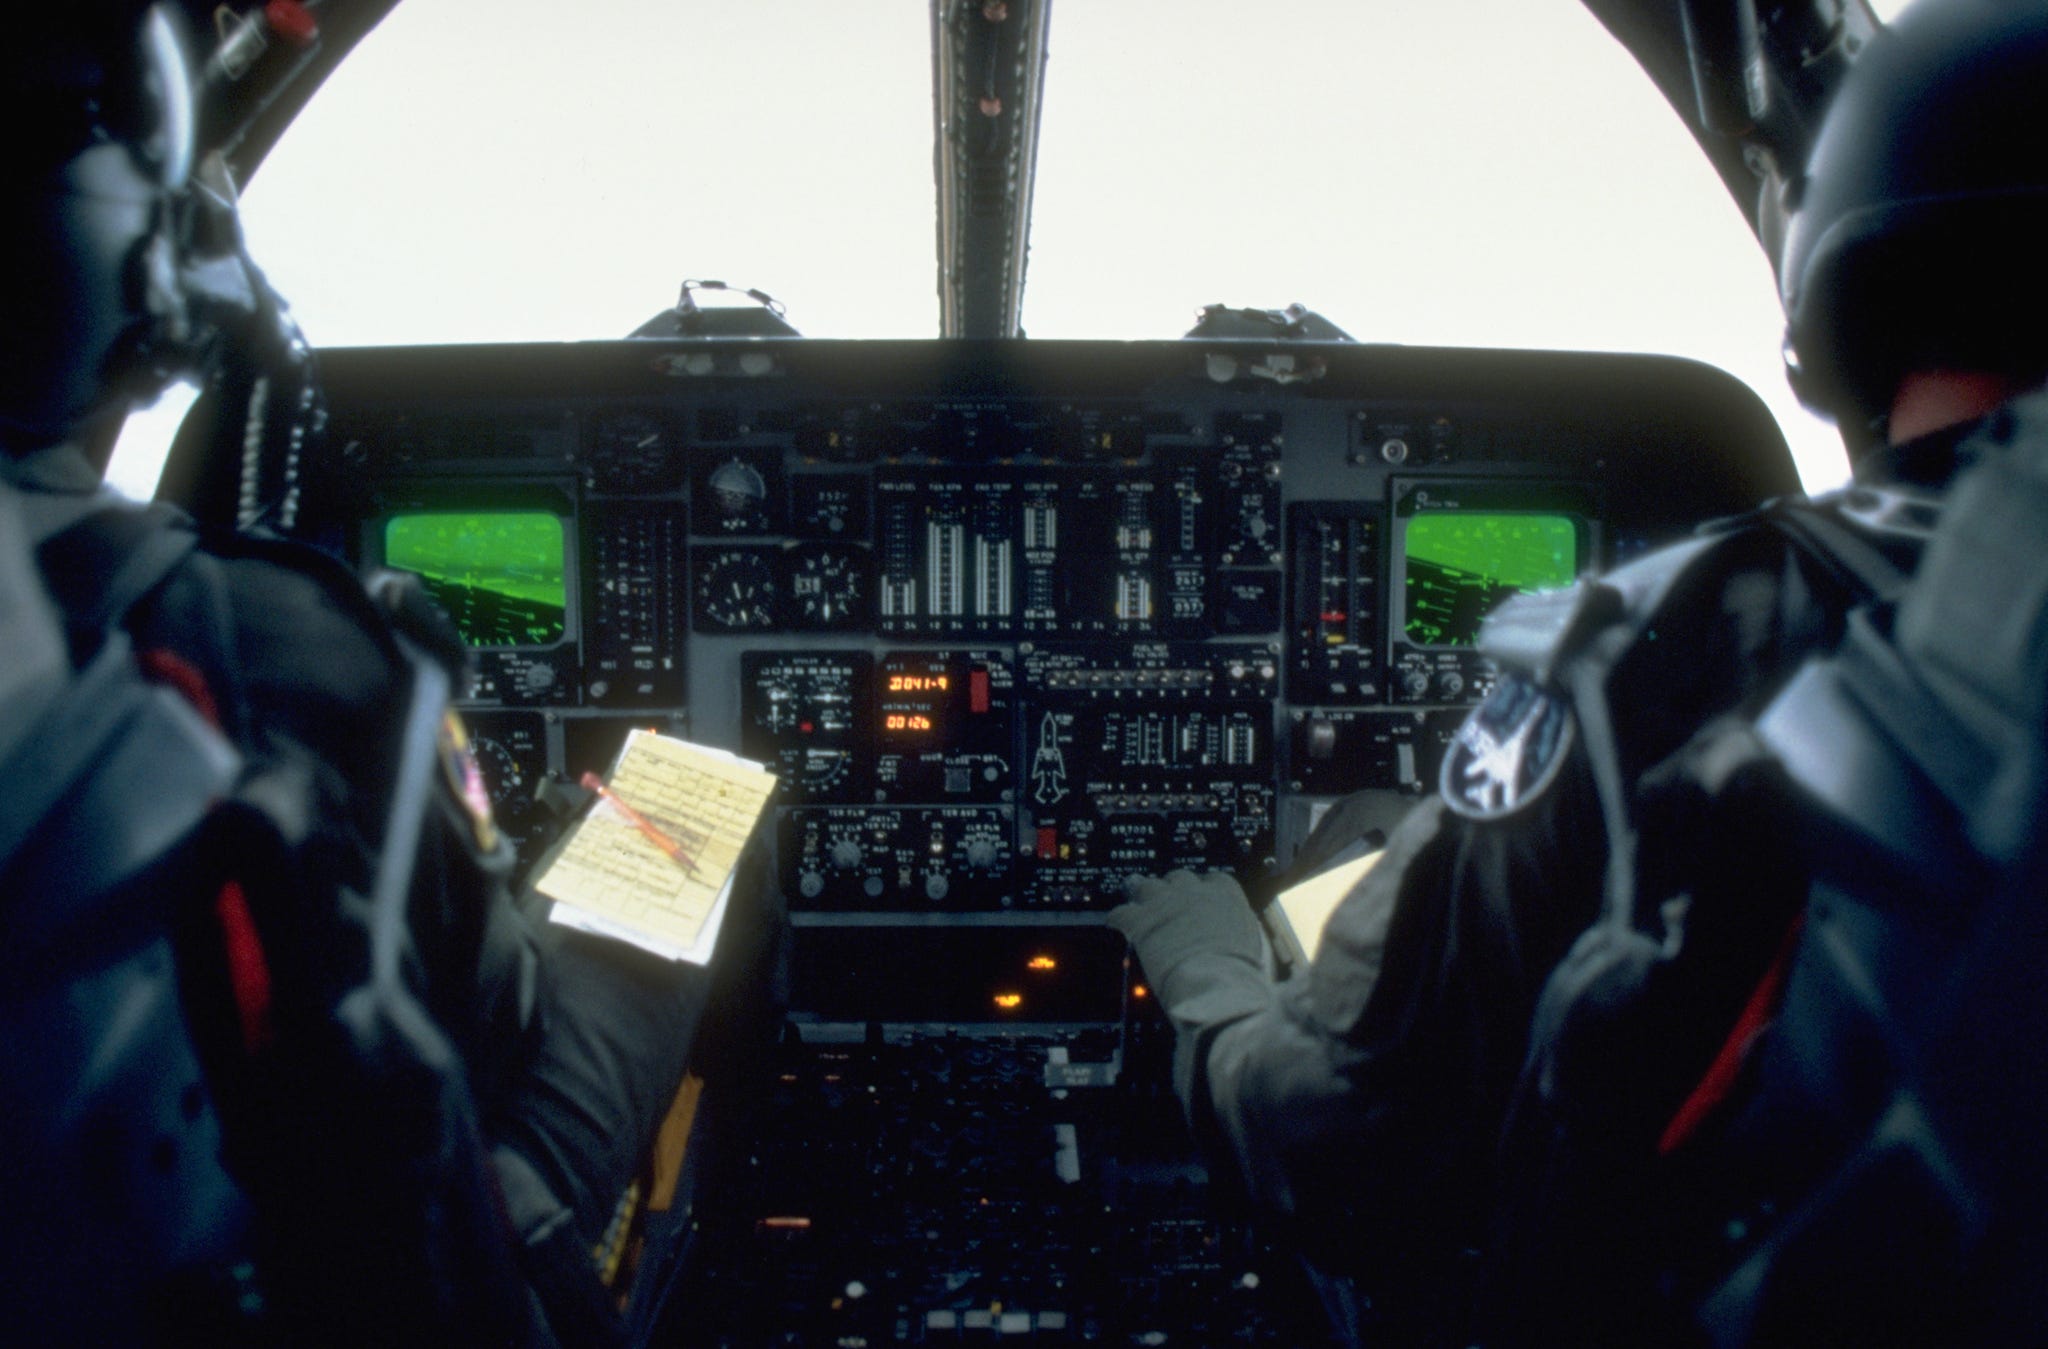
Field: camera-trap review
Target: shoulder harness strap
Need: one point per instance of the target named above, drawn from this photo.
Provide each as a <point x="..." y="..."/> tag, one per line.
<point x="1921" y="730"/>
<point x="1571" y="639"/>
<point x="105" y="744"/>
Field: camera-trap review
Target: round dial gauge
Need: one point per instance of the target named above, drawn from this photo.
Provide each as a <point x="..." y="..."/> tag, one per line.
<point x="504" y="777"/>
<point x="737" y="489"/>
<point x="631" y="450"/>
<point x="822" y="771"/>
<point x="828" y="587"/>
<point x="736" y="590"/>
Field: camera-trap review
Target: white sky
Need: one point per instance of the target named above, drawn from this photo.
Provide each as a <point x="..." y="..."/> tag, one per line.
<point x="1463" y="172"/>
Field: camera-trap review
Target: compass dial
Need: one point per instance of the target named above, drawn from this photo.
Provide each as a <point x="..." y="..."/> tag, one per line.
<point x="736" y="590"/>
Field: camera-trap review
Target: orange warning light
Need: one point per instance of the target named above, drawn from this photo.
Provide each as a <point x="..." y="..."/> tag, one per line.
<point x="1140" y="991"/>
<point x="1044" y="963"/>
<point x="1009" y="1002"/>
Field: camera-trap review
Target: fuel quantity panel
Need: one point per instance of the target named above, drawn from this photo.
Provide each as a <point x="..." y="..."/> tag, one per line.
<point x="1011" y="622"/>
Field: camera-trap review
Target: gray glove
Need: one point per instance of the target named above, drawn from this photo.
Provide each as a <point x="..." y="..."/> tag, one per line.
<point x="1174" y="921"/>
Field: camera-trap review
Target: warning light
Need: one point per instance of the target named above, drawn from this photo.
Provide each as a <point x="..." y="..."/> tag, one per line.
<point x="1140" y="991"/>
<point x="1044" y="963"/>
<point x="1009" y="1002"/>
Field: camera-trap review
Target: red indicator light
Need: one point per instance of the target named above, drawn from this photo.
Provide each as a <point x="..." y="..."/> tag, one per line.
<point x="292" y="21"/>
<point x="977" y="691"/>
<point x="1048" y="841"/>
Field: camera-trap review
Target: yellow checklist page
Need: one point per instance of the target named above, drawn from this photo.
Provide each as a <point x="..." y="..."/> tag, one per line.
<point x="652" y="862"/>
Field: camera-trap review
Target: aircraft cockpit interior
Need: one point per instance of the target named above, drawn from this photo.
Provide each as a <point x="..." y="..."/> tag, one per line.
<point x="1012" y="621"/>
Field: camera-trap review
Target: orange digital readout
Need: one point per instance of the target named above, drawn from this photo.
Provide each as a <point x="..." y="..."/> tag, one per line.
<point x="914" y="683"/>
<point x="906" y="721"/>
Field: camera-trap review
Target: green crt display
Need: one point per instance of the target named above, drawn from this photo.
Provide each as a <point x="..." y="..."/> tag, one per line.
<point x="501" y="575"/>
<point x="1460" y="564"/>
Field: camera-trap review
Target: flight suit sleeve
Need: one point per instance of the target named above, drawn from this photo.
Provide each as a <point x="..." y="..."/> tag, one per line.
<point x="1205" y="955"/>
<point x="1364" y="1096"/>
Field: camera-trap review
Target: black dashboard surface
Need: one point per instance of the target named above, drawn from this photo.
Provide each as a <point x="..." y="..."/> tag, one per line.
<point x="1012" y="620"/>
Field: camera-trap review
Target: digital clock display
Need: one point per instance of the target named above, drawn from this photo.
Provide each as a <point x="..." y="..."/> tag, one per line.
<point x="918" y="697"/>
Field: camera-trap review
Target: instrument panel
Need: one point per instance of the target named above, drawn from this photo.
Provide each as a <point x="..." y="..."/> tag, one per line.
<point x="1012" y="621"/>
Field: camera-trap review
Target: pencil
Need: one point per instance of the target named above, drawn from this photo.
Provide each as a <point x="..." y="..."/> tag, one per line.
<point x="660" y="840"/>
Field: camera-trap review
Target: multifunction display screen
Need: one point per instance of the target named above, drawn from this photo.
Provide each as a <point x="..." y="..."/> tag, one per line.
<point x="501" y="575"/>
<point x="1460" y="564"/>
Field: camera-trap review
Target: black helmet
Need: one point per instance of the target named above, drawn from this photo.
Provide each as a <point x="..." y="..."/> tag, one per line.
<point x="99" y="145"/>
<point x="1918" y="235"/>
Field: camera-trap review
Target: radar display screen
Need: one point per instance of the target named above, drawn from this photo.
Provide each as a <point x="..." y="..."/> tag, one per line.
<point x="1460" y="564"/>
<point x="499" y="574"/>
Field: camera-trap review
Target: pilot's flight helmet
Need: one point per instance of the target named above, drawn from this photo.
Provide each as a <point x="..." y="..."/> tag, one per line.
<point x="1918" y="237"/>
<point x="99" y="143"/>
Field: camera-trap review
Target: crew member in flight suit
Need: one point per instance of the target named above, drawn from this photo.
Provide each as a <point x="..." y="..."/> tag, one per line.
<point x="557" y="1054"/>
<point x="1361" y="1102"/>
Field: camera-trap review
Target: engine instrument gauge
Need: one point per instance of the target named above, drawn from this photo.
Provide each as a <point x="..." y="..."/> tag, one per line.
<point x="736" y="589"/>
<point x="829" y="587"/>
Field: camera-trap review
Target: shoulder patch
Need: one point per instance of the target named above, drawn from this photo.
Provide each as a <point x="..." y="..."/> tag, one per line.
<point x="1508" y="752"/>
<point x="465" y="779"/>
